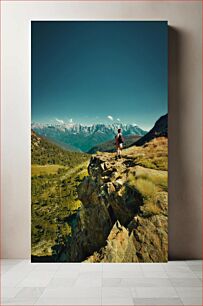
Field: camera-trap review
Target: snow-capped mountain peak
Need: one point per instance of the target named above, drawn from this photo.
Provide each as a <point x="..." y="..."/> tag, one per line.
<point x="84" y="137"/>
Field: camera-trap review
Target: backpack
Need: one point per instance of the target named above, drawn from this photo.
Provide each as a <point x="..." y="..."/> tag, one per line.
<point x="120" y="139"/>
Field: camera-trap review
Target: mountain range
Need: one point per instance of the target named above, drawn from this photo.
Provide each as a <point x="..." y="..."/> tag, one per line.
<point x="78" y="137"/>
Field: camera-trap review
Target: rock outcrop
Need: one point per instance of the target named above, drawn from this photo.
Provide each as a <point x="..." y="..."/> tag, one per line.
<point x="123" y="217"/>
<point x="120" y="247"/>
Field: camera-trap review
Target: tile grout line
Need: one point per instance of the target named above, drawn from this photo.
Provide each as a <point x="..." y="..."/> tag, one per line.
<point x="102" y="282"/>
<point x="46" y="287"/>
<point x="21" y="279"/>
<point x="180" y="298"/>
<point x="174" y="287"/>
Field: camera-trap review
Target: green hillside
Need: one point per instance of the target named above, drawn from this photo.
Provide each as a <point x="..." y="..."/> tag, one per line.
<point x="44" y="152"/>
<point x="56" y="174"/>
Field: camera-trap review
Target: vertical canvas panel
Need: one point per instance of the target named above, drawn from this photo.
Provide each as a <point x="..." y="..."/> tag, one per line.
<point x="99" y="140"/>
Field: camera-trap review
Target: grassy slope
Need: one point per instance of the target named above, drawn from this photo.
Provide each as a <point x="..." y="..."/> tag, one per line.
<point x="150" y="172"/>
<point x="56" y="174"/>
<point x="45" y="152"/>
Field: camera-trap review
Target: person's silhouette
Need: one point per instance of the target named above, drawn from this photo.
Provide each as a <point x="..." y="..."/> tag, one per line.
<point x="119" y="143"/>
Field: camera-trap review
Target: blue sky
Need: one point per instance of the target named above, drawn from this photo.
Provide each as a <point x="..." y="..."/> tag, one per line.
<point x="99" y="71"/>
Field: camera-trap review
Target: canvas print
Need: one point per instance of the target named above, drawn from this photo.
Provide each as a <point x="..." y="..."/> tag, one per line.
<point x="99" y="141"/>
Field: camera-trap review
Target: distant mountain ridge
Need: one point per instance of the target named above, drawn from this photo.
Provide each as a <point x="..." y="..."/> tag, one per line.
<point x="109" y="146"/>
<point x="84" y="137"/>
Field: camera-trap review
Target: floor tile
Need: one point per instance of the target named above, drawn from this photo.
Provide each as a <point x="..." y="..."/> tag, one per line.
<point x="157" y="301"/>
<point x="112" y="282"/>
<point x="177" y="268"/>
<point x="37" y="279"/>
<point x="146" y="282"/>
<point x="22" y="301"/>
<point x="27" y="292"/>
<point x="9" y="292"/>
<point x="196" y="268"/>
<point x="16" y="274"/>
<point x="155" y="292"/>
<point x="189" y="291"/>
<point x="155" y="274"/>
<point x="193" y="262"/>
<point x="73" y="292"/>
<point x="90" y="275"/>
<point x="181" y="274"/>
<point x="123" y="274"/>
<point x="6" y="268"/>
<point x="69" y="301"/>
<point x="90" y="267"/>
<point x="198" y="274"/>
<point x="117" y="301"/>
<point x="185" y="282"/>
<point x="192" y="301"/>
<point x="122" y="267"/>
<point x="91" y="282"/>
<point x="66" y="273"/>
<point x="50" y="267"/>
<point x="116" y="292"/>
<point x="69" y="267"/>
<point x="61" y="282"/>
<point x="152" y="267"/>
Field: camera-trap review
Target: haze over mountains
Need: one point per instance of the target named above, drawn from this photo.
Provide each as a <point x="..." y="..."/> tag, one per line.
<point x="78" y="137"/>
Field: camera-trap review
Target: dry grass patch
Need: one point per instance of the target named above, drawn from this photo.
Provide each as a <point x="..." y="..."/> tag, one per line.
<point x="153" y="155"/>
<point x="146" y="187"/>
<point x="150" y="208"/>
<point x="149" y="183"/>
<point x="45" y="169"/>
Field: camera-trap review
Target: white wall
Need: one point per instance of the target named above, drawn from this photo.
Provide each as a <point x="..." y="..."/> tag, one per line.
<point x="184" y="112"/>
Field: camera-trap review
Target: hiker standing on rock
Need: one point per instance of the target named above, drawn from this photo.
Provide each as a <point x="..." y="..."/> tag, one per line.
<point x="119" y="143"/>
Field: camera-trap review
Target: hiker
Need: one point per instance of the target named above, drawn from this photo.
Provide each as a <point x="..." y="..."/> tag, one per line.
<point x="119" y="143"/>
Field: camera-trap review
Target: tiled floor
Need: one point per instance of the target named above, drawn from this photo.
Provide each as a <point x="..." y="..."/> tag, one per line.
<point x="174" y="283"/>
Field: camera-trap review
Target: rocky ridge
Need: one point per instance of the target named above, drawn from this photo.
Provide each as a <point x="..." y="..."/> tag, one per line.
<point x="160" y="129"/>
<point x="123" y="217"/>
